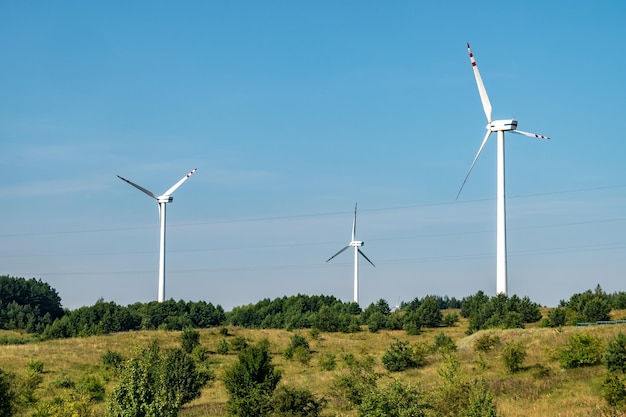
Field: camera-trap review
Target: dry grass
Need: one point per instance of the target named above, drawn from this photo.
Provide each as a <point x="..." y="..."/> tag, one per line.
<point x="541" y="389"/>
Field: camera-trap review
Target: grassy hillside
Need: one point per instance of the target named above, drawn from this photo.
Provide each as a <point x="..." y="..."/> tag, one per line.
<point x="542" y="388"/>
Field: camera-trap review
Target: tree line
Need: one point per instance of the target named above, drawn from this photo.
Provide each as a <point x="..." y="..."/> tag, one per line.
<point x="33" y="306"/>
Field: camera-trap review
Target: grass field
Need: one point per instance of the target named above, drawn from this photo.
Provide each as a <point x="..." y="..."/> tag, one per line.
<point x="542" y="388"/>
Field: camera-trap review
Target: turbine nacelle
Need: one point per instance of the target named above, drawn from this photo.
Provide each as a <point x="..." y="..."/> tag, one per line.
<point x="501" y="125"/>
<point x="165" y="199"/>
<point x="357" y="243"/>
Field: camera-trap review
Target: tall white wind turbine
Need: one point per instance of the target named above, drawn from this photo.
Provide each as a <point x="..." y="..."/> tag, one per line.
<point x="498" y="126"/>
<point x="162" y="200"/>
<point x="356" y="244"/>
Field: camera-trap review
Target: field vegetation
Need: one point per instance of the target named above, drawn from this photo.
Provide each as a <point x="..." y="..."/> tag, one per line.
<point x="480" y="356"/>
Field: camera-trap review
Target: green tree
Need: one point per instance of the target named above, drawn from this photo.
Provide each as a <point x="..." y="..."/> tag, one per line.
<point x="251" y="381"/>
<point x="7" y="395"/>
<point x="429" y="312"/>
<point x="156" y="384"/>
<point x="394" y="400"/>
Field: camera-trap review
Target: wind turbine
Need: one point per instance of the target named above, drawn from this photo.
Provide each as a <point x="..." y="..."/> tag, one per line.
<point x="356" y="244"/>
<point x="498" y="126"/>
<point x="162" y="200"/>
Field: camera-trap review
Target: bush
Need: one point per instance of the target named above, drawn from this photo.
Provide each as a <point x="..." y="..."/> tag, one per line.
<point x="614" y="391"/>
<point x="450" y="319"/>
<point x="580" y="350"/>
<point x="443" y="344"/>
<point x="287" y="401"/>
<point x="350" y="389"/>
<point x="7" y="394"/>
<point x="92" y="387"/>
<point x="251" y="381"/>
<point x="486" y="342"/>
<point x="556" y="317"/>
<point x="395" y="400"/>
<point x="155" y="383"/>
<point x="298" y="342"/>
<point x="615" y="356"/>
<point x="189" y="339"/>
<point x="222" y="347"/>
<point x="400" y="357"/>
<point x="238" y="343"/>
<point x="513" y="356"/>
<point x="112" y="360"/>
<point x="327" y="361"/>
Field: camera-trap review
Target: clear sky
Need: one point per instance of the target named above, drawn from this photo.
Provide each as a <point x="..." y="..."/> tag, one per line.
<point x="293" y="111"/>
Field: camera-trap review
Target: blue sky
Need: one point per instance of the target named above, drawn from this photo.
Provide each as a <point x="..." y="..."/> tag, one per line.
<point x="293" y="112"/>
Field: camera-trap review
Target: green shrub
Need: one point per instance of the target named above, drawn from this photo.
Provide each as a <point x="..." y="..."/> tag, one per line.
<point x="615" y="356"/>
<point x="35" y="366"/>
<point x="450" y="319"/>
<point x="298" y="342"/>
<point x="92" y="387"/>
<point x="189" y="339"/>
<point x="443" y="343"/>
<point x="399" y="357"/>
<point x="238" y="343"/>
<point x="62" y="381"/>
<point x="394" y="400"/>
<point x="486" y="342"/>
<point x="222" y="347"/>
<point x="556" y="317"/>
<point x="513" y="356"/>
<point x="288" y="401"/>
<point x="251" y="381"/>
<point x="7" y="394"/>
<point x="327" y="361"/>
<point x="112" y="360"/>
<point x="349" y="389"/>
<point x="614" y="391"/>
<point x="580" y="350"/>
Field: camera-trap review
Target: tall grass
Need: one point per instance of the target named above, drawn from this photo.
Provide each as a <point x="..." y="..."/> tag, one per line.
<point x="540" y="388"/>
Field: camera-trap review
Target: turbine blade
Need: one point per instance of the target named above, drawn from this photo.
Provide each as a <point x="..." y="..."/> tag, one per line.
<point x="531" y="135"/>
<point x="368" y="259"/>
<point x="482" y="145"/>
<point x="354" y="224"/>
<point x="139" y="187"/>
<point x="481" y="87"/>
<point x="338" y="253"/>
<point x="175" y="186"/>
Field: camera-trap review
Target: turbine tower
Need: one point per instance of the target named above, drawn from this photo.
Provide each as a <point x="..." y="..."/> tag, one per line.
<point x="498" y="126"/>
<point x="356" y="244"/>
<point x="162" y="200"/>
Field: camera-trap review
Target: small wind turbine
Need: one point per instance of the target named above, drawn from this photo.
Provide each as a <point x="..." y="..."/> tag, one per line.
<point x="162" y="200"/>
<point x="356" y="244"/>
<point x="499" y="126"/>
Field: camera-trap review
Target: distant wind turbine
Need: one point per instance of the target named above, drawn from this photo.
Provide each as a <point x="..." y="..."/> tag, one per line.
<point x="162" y="200"/>
<point x="499" y="126"/>
<point x="356" y="244"/>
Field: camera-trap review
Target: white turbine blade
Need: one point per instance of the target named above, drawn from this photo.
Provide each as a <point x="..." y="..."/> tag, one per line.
<point x="354" y="224"/>
<point x="482" y="145"/>
<point x="175" y="186"/>
<point x="139" y="187"/>
<point x="368" y="259"/>
<point x="481" y="87"/>
<point x="338" y="253"/>
<point x="530" y="135"/>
